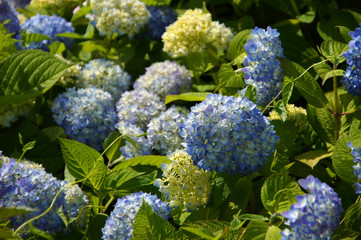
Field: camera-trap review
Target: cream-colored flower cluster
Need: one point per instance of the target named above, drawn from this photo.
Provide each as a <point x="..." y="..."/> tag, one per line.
<point x="192" y="31"/>
<point x="121" y="16"/>
<point x="12" y="112"/>
<point x="184" y="183"/>
<point x="295" y="114"/>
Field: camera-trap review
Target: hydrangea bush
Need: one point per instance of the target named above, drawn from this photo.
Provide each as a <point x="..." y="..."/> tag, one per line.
<point x="243" y="115"/>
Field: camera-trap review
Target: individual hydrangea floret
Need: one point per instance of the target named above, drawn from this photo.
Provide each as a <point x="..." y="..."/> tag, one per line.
<point x="298" y="115"/>
<point x="140" y="147"/>
<point x="119" y="16"/>
<point x="183" y="183"/>
<point x="87" y="115"/>
<point x="315" y="215"/>
<point x="104" y="74"/>
<point x="8" y="12"/>
<point x="228" y="134"/>
<point x="261" y="67"/>
<point x="356" y="153"/>
<point x="138" y="107"/>
<point x="192" y="31"/>
<point x="163" y="131"/>
<point x="119" y="224"/>
<point x="165" y="78"/>
<point x="10" y="113"/>
<point x="49" y="26"/>
<point x="160" y="18"/>
<point x="352" y="77"/>
<point x="26" y="184"/>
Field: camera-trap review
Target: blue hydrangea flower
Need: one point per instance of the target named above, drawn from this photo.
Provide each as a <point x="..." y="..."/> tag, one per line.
<point x="49" y="26"/>
<point x="315" y="215"/>
<point x="8" y="12"/>
<point x="141" y="147"/>
<point x="26" y="184"/>
<point x="165" y="78"/>
<point x="261" y="66"/>
<point x="356" y="153"/>
<point x="138" y="107"/>
<point x="228" y="134"/>
<point x="87" y="115"/>
<point x="163" y="131"/>
<point x="104" y="74"/>
<point x="119" y="224"/>
<point x="160" y="18"/>
<point x="352" y="77"/>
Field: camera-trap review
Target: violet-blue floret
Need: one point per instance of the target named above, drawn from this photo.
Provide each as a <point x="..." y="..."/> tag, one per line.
<point x="315" y="215"/>
<point x="138" y="107"/>
<point x="228" y="134"/>
<point x="119" y="224"/>
<point x="261" y="66"/>
<point x="86" y="115"/>
<point x="141" y="147"/>
<point x="8" y="12"/>
<point x="26" y="184"/>
<point x="165" y="78"/>
<point x="352" y="77"/>
<point x="356" y="153"/>
<point x="160" y="18"/>
<point x="49" y="26"/>
<point x="163" y="131"/>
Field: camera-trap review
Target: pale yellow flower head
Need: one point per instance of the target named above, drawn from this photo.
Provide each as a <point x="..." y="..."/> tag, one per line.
<point x="53" y="4"/>
<point x="296" y="114"/>
<point x="10" y="113"/>
<point x="184" y="183"/>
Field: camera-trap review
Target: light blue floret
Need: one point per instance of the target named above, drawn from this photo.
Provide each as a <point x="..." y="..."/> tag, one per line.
<point x="163" y="131"/>
<point x="315" y="215"/>
<point x="261" y="66"/>
<point x="87" y="115"/>
<point x="356" y="153"/>
<point x="228" y="134"/>
<point x="49" y="26"/>
<point x="119" y="224"/>
<point x="141" y="147"/>
<point x="160" y="18"/>
<point x="352" y="76"/>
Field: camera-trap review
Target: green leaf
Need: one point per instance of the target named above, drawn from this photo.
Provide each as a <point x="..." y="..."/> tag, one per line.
<point x="290" y="7"/>
<point x="135" y="183"/>
<point x="83" y="162"/>
<point x="189" y="97"/>
<point x="29" y="146"/>
<point x="152" y="160"/>
<point x="355" y="133"/>
<point x="250" y="216"/>
<point x="333" y="50"/>
<point x="251" y="93"/>
<point x="54" y="132"/>
<point x="199" y="63"/>
<point x="344" y="33"/>
<point x="156" y="2"/>
<point x="323" y="122"/>
<point x="287" y="89"/>
<point x="333" y="73"/>
<point x="210" y="229"/>
<point x="202" y="233"/>
<point x="342" y="160"/>
<point x="236" y="47"/>
<point x="328" y="31"/>
<point x="256" y="230"/>
<point x="307" y="17"/>
<point x="322" y="69"/>
<point x="33" y="37"/>
<point x="228" y="78"/>
<point x="112" y="146"/>
<point x="81" y="13"/>
<point x="280" y="108"/>
<point x="279" y="192"/>
<point x="352" y="219"/>
<point x="306" y="84"/>
<point x="116" y="178"/>
<point x="311" y="158"/>
<point x="96" y="224"/>
<point x="28" y="74"/>
<point x="6" y="233"/>
<point x="221" y="190"/>
<point x="8" y="212"/>
<point x="149" y="225"/>
<point x="273" y="233"/>
<point x="57" y="47"/>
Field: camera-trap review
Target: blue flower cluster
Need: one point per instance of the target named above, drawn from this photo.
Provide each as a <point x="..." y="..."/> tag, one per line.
<point x="228" y="134"/>
<point x="49" y="26"/>
<point x="163" y="131"/>
<point x="315" y="215"/>
<point x="160" y="18"/>
<point x="261" y="66"/>
<point x="8" y="12"/>
<point x="104" y="74"/>
<point x="119" y="224"/>
<point x="138" y="107"/>
<point x="165" y="78"/>
<point x="87" y="115"/>
<point x="26" y="184"/>
<point x="352" y="77"/>
<point x="141" y="147"/>
<point x="356" y="153"/>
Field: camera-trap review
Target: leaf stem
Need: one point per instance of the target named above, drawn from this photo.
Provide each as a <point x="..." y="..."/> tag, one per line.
<point x="336" y="112"/>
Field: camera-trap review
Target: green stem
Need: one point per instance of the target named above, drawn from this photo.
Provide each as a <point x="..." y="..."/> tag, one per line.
<point x="336" y="112"/>
<point x="108" y="204"/>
